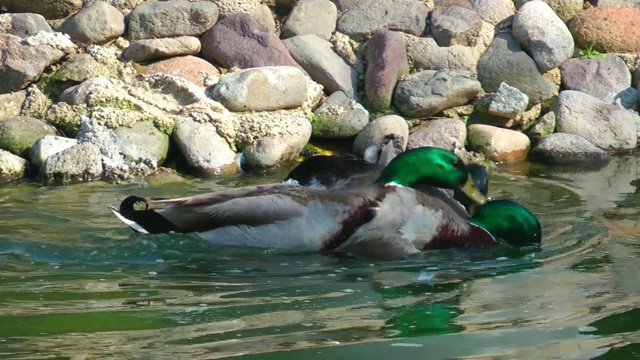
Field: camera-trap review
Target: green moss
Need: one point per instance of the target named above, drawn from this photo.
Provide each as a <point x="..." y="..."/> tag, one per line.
<point x="51" y="86"/>
<point x="120" y="104"/>
<point x="166" y="126"/>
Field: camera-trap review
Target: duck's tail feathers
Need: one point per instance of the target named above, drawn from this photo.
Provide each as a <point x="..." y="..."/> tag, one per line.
<point x="144" y="221"/>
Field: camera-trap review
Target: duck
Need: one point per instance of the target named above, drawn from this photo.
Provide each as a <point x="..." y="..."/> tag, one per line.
<point x="340" y="172"/>
<point x="386" y="219"/>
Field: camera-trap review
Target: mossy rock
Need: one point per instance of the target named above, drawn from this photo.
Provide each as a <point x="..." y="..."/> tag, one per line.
<point x="143" y="140"/>
<point x="19" y="133"/>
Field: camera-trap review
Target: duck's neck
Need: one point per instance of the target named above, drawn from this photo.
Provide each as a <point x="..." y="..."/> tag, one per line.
<point x="449" y="236"/>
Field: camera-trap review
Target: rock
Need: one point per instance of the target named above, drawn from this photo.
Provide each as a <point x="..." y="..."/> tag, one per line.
<point x="21" y="64"/>
<point x="194" y="69"/>
<point x="609" y="127"/>
<point x="543" y="34"/>
<point x="153" y="49"/>
<point x="47" y="146"/>
<point x="448" y="134"/>
<point x="619" y="22"/>
<point x="262" y="89"/>
<point x="607" y="79"/>
<point x="311" y="17"/>
<point x="543" y="127"/>
<point x="239" y="40"/>
<point x="202" y="146"/>
<point x="165" y="19"/>
<point x="11" y="104"/>
<point x="98" y="23"/>
<point x="23" y="25"/>
<point x="344" y="5"/>
<point x="428" y="92"/>
<point x="18" y="134"/>
<point x="565" y="9"/>
<point x="79" y="163"/>
<point x="11" y="166"/>
<point x="425" y="54"/>
<point x="264" y="16"/>
<point x="230" y="7"/>
<point x="90" y="65"/>
<point x="49" y="9"/>
<point x="286" y="140"/>
<point x="369" y="16"/>
<point x="339" y="117"/>
<point x="324" y="66"/>
<point x="620" y="3"/>
<point x="380" y="131"/>
<point x="492" y="11"/>
<point x="504" y="61"/>
<point x="81" y="93"/>
<point x="498" y="144"/>
<point x="455" y="25"/>
<point x="386" y="64"/>
<point x="127" y="153"/>
<point x="567" y="149"/>
<point x="507" y="102"/>
<point x="143" y="141"/>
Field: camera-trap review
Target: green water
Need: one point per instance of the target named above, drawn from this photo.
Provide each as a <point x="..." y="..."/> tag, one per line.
<point x="77" y="284"/>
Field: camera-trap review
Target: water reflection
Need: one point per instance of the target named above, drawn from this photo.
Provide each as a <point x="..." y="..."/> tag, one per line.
<point x="76" y="284"/>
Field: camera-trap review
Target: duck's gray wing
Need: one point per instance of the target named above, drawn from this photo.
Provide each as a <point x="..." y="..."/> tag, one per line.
<point x="251" y="206"/>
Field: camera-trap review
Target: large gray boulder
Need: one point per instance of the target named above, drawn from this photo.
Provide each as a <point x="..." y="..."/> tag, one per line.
<point x="79" y="163"/>
<point x="368" y="16"/>
<point x="158" y="19"/>
<point x="22" y="63"/>
<point x="505" y="61"/>
<point x="318" y="58"/>
<point x="428" y="92"/>
<point x="541" y="32"/>
<point x="311" y="17"/>
<point x="97" y="23"/>
<point x="609" y="127"/>
<point x="203" y="148"/>
<point x="567" y="149"/>
<point x="339" y="117"/>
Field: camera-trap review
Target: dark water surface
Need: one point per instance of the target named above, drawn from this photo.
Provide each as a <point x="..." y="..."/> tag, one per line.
<point x="77" y="284"/>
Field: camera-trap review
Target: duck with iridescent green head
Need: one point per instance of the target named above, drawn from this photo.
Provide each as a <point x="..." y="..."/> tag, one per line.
<point x="387" y="219"/>
<point x="341" y="172"/>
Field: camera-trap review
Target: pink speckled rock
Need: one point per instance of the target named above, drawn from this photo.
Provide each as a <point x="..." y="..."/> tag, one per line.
<point x="611" y="29"/>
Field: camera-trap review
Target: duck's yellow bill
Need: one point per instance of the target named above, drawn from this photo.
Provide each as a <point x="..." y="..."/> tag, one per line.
<point x="472" y="192"/>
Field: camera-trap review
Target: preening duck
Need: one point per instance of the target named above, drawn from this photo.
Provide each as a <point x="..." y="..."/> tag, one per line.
<point x="341" y="172"/>
<point x="385" y="219"/>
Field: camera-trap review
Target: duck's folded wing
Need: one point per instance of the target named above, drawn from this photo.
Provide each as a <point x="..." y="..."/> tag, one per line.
<point x="191" y="214"/>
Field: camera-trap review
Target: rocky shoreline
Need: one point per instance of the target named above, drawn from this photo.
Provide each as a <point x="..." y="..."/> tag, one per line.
<point x="109" y="90"/>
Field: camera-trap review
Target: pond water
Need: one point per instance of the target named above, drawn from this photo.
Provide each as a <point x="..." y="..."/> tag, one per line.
<point x="75" y="283"/>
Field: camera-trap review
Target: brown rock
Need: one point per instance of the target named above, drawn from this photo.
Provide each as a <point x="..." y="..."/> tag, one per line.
<point x="387" y="63"/>
<point x="239" y="40"/>
<point x="189" y="67"/>
<point x="611" y="29"/>
<point x="498" y="144"/>
<point x="21" y="64"/>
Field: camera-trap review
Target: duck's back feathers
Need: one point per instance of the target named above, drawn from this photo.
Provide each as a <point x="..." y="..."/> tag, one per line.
<point x="330" y="172"/>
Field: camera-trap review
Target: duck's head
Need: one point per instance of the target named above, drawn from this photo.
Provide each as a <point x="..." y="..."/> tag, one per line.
<point x="480" y="178"/>
<point x="509" y="222"/>
<point x="431" y="166"/>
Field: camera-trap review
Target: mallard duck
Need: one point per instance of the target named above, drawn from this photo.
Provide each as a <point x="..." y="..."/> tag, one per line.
<point x="386" y="219"/>
<point x="341" y="172"/>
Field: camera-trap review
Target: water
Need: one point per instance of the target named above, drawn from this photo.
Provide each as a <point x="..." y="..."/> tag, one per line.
<point x="77" y="284"/>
